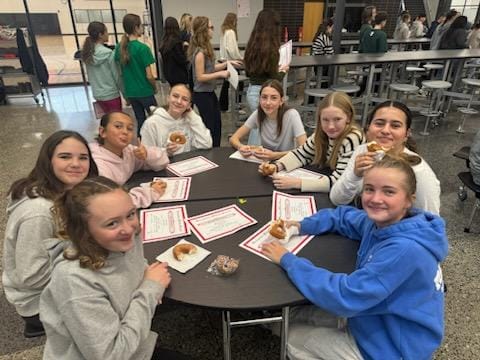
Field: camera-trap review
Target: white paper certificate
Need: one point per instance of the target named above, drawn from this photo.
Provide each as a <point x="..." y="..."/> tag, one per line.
<point x="218" y="223"/>
<point x="177" y="189"/>
<point x="285" y="53"/>
<point x="301" y="173"/>
<point x="292" y="207"/>
<point x="191" y="166"/>
<point x="252" y="158"/>
<point x="164" y="223"/>
<point x="233" y="78"/>
<point x="255" y="241"/>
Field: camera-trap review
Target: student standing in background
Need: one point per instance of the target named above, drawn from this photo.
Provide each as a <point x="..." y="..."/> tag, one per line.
<point x="174" y="60"/>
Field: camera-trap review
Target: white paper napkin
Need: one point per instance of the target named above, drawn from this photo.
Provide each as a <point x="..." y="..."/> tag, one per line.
<point x="188" y="262"/>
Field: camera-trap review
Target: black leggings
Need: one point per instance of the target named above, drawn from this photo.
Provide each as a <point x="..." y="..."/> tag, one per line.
<point x="207" y="104"/>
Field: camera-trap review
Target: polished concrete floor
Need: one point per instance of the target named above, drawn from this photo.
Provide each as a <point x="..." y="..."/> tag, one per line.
<point x="24" y="125"/>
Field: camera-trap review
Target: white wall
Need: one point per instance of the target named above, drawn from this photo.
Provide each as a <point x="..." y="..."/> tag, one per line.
<point x="215" y="10"/>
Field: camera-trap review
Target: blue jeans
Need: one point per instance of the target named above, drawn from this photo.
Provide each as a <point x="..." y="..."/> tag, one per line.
<point x="253" y="97"/>
<point x="141" y="107"/>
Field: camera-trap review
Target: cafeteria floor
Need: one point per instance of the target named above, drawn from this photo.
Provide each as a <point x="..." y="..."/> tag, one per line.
<point x="24" y="126"/>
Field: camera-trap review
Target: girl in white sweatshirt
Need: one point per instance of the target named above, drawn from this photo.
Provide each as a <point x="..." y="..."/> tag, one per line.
<point x="176" y="117"/>
<point x="102" y="296"/>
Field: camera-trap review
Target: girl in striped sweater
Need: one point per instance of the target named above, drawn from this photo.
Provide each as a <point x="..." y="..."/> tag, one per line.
<point x="330" y="147"/>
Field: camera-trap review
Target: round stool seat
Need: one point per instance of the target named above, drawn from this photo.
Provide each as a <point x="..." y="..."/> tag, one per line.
<point x="349" y="89"/>
<point x="357" y="73"/>
<point x="414" y="68"/>
<point x="321" y="93"/>
<point x="404" y="87"/>
<point x="436" y="84"/>
<point x="433" y="66"/>
<point x="472" y="82"/>
<point x="467" y="111"/>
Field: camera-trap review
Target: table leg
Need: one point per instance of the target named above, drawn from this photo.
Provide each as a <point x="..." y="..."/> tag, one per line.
<point x="284" y="333"/>
<point x="226" y="334"/>
<point x="367" y="96"/>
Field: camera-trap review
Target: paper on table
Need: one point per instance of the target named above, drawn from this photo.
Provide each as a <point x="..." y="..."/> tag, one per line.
<point x="286" y="53"/>
<point x="177" y="188"/>
<point x="164" y="223"/>
<point x="301" y="173"/>
<point x="238" y="156"/>
<point x="233" y="78"/>
<point x="255" y="241"/>
<point x="188" y="262"/>
<point x="292" y="207"/>
<point x="219" y="223"/>
<point x="191" y="166"/>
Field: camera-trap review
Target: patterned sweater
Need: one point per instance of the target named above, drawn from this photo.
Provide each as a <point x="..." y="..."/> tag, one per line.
<point x="305" y="154"/>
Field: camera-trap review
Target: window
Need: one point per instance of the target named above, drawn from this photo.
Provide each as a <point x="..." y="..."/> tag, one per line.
<point x="105" y="16"/>
<point x="468" y="8"/>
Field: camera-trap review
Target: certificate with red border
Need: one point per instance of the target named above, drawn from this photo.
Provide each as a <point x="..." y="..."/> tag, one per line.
<point x="255" y="241"/>
<point x="219" y="223"/>
<point x="292" y="207"/>
<point x="178" y="188"/>
<point x="301" y="173"/>
<point x="191" y="166"/>
<point x="164" y="223"/>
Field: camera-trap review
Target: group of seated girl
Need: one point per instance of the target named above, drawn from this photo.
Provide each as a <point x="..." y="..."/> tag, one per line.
<point x="75" y="276"/>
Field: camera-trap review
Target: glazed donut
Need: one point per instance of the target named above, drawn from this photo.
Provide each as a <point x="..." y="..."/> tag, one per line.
<point x="373" y="146"/>
<point x="277" y="229"/>
<point x="179" y="251"/>
<point x="178" y="138"/>
<point x="268" y="169"/>
<point x="254" y="148"/>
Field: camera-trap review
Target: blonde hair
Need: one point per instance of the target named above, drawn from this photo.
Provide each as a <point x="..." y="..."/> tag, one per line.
<point x="343" y="102"/>
<point x="186" y="22"/>
<point x="200" y="39"/>
<point x="71" y="215"/>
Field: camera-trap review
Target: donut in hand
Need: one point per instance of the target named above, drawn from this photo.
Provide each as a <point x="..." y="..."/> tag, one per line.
<point x="278" y="230"/>
<point x="179" y="251"/>
<point x="373" y="146"/>
<point x="178" y="138"/>
<point x="268" y="169"/>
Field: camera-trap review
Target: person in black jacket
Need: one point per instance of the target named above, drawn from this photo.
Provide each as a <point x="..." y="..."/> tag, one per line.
<point x="175" y="63"/>
<point x="456" y="36"/>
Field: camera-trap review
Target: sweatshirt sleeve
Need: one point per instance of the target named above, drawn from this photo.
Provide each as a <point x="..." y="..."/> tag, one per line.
<point x="428" y="188"/>
<point x="33" y="265"/>
<point x="301" y="156"/>
<point x="348" y="185"/>
<point x="149" y="134"/>
<point x="201" y="135"/>
<point x="348" y="295"/>
<point x="157" y="159"/>
<point x="231" y="45"/>
<point x="98" y="330"/>
<point x="143" y="196"/>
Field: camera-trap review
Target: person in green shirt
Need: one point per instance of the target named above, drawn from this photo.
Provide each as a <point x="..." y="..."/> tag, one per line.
<point x="135" y="60"/>
<point x="368" y="15"/>
<point x="375" y="40"/>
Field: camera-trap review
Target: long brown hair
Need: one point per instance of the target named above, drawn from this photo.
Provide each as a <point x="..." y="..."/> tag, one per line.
<point x="130" y="23"/>
<point x="95" y="30"/>
<point x="71" y="213"/>
<point x="261" y="53"/>
<point x="200" y="39"/>
<point x="343" y="102"/>
<point x="230" y="23"/>
<point x="275" y="84"/>
<point x="42" y="180"/>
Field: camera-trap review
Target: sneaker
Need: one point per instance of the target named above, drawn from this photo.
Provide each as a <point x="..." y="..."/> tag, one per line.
<point x="33" y="330"/>
<point x="242" y="112"/>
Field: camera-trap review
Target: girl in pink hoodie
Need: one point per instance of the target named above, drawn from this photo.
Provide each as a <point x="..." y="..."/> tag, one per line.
<point x="117" y="159"/>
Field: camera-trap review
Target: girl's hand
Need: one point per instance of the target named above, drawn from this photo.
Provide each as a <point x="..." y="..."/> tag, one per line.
<point x="286" y="182"/>
<point x="172" y="148"/>
<point x="159" y="186"/>
<point x="274" y="251"/>
<point x="265" y="154"/>
<point x="363" y="162"/>
<point x="290" y="223"/>
<point x="158" y="272"/>
<point x="264" y="168"/>
<point x="283" y="68"/>
<point x="245" y="150"/>
<point x="225" y="74"/>
<point x="236" y="63"/>
<point x="140" y="152"/>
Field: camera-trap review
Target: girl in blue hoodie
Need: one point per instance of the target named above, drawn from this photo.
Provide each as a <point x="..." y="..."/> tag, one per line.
<point x="102" y="70"/>
<point x="394" y="299"/>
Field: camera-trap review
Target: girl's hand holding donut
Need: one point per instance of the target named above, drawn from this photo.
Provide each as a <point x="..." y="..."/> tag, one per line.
<point x="172" y="148"/>
<point x="140" y="152"/>
<point x="264" y="154"/>
<point x="158" y="272"/>
<point x="274" y="251"/>
<point x="286" y="182"/>
<point x="363" y="162"/>
<point x="267" y="169"/>
<point x="245" y="150"/>
<point x="158" y="186"/>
